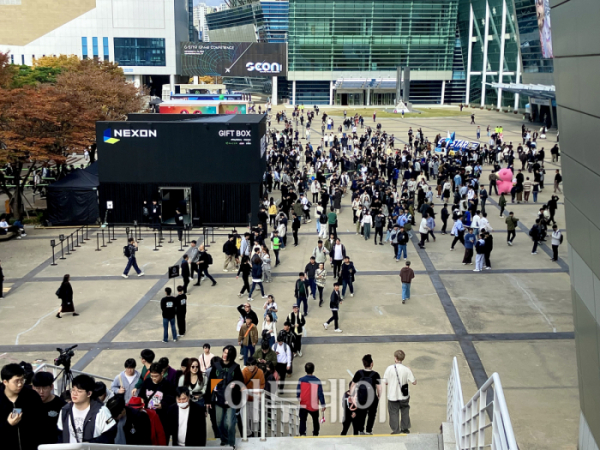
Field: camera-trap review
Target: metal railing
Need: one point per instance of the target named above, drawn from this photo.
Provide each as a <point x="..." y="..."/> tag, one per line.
<point x="484" y="421"/>
<point x="269" y="415"/>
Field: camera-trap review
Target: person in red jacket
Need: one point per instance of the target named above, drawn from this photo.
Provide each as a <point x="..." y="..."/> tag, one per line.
<point x="158" y="432"/>
<point x="310" y="394"/>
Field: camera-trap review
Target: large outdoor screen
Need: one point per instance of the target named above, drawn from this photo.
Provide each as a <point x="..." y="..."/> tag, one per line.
<point x="238" y="59"/>
<point x="542" y="10"/>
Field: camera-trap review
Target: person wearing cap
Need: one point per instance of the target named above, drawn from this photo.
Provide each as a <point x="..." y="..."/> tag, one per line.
<point x="557" y="239"/>
<point x="297" y="323"/>
<point x="43" y="384"/>
<point x="511" y="224"/>
<point x="248" y="338"/>
<point x="133" y="425"/>
<point x="406" y="276"/>
<point x="157" y="432"/>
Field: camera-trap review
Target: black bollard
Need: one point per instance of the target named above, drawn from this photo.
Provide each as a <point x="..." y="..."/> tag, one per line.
<point x="62" y="254"/>
<point x="155" y="246"/>
<point x="52" y="244"/>
<point x="181" y="245"/>
<point x="139" y="237"/>
<point x="98" y="249"/>
<point x="77" y="237"/>
<point x="170" y="235"/>
<point x="72" y="243"/>
<point x="68" y="248"/>
<point x="113" y="229"/>
<point x="103" y="243"/>
<point x="87" y="232"/>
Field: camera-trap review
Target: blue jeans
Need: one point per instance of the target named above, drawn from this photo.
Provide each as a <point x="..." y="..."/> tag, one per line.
<point x="131" y="262"/>
<point x="349" y="284"/>
<point x="247" y="352"/>
<point x="405" y="291"/>
<point x="166" y="329"/>
<point x="262" y="291"/>
<point x="535" y="194"/>
<point x="401" y="249"/>
<point x="303" y="301"/>
<point x="226" y="421"/>
<point x="312" y="282"/>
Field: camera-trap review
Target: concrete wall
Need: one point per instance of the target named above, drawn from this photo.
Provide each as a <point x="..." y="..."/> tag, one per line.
<point x="576" y="44"/>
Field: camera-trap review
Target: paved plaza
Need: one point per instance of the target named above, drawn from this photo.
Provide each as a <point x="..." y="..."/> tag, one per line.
<point x="515" y="319"/>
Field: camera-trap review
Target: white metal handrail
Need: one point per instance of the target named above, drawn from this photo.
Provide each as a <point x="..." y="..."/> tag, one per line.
<point x="269" y="415"/>
<point x="55" y="370"/>
<point x="483" y="413"/>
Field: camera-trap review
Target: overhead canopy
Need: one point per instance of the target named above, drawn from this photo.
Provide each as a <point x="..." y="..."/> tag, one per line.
<point x="74" y="199"/>
<point x="531" y="90"/>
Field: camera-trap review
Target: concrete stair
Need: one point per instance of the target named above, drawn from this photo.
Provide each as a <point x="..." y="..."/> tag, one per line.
<point x="363" y="442"/>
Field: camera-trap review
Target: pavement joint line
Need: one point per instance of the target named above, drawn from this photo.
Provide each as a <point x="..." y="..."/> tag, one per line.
<point x="548" y="250"/>
<point x="97" y="347"/>
<point x="366" y="273"/>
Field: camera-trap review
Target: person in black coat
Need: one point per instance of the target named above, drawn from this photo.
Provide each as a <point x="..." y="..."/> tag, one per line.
<point x="133" y="426"/>
<point x="65" y="293"/>
<point x="185" y="272"/>
<point x="195" y="425"/>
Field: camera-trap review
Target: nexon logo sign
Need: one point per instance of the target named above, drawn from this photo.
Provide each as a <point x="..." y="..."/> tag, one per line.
<point x="263" y="67"/>
<point x="110" y="135"/>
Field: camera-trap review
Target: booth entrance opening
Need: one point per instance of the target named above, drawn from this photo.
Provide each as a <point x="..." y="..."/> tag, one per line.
<point x="173" y="198"/>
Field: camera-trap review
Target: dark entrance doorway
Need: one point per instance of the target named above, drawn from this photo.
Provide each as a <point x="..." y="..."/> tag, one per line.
<point x="173" y="198"/>
<point x="344" y="99"/>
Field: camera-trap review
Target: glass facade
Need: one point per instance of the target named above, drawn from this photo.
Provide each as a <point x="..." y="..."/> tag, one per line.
<point x="494" y="48"/>
<point x="140" y="51"/>
<point x="355" y="35"/>
<point x="531" y="51"/>
<point x="105" y="49"/>
<point x="95" y="47"/>
<point x="270" y="19"/>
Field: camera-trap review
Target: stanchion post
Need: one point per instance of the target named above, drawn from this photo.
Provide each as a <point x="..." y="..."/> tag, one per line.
<point x="155" y="246"/>
<point x="127" y="234"/>
<point x="52" y="244"/>
<point x="87" y="232"/>
<point x="72" y="243"/>
<point x="68" y="247"/>
<point x="103" y="243"/>
<point x="62" y="251"/>
<point x="139" y="237"/>
<point x="170" y="235"/>
<point x="113" y="231"/>
<point x="77" y="236"/>
<point x="212" y="241"/>
<point x="98" y="249"/>
<point x="180" y="245"/>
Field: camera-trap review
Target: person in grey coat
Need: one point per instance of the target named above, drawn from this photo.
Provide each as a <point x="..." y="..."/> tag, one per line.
<point x="125" y="382"/>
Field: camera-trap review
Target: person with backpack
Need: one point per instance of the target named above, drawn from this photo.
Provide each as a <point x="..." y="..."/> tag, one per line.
<point x="323" y="220"/>
<point x="231" y="253"/>
<point x="535" y="234"/>
<point x="297" y="322"/>
<point x="157" y="432"/>
<point x="204" y="260"/>
<point x="511" y="224"/>
<point x="248" y="338"/>
<point x="257" y="273"/>
<point x="169" y="311"/>
<point x="366" y="387"/>
<point x="557" y="239"/>
<point x="309" y="399"/>
<point x="224" y="383"/>
<point x="129" y="252"/>
<point x="480" y="249"/>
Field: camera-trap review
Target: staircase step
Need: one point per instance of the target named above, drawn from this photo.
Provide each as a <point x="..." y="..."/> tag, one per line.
<point x="363" y="442"/>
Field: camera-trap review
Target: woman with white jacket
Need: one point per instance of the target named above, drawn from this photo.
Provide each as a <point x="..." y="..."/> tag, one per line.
<point x="315" y="188"/>
<point x="367" y="223"/>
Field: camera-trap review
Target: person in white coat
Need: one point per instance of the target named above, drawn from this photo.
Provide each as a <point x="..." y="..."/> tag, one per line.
<point x="125" y="382"/>
<point x="423" y="230"/>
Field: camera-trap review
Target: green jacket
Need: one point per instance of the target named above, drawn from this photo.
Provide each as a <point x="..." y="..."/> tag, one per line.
<point x="502" y="201"/>
<point x="331" y="218"/>
<point x="511" y="223"/>
<point x="271" y="356"/>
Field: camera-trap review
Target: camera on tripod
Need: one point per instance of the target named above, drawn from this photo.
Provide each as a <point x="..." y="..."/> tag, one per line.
<point x="64" y="359"/>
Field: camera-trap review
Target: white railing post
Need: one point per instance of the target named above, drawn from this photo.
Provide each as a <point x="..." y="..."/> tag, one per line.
<point x="263" y="413"/>
<point x="244" y="416"/>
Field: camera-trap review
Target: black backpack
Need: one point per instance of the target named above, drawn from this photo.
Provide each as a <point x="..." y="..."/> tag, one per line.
<point x="366" y="389"/>
<point x="209" y="259"/>
<point x="126" y="251"/>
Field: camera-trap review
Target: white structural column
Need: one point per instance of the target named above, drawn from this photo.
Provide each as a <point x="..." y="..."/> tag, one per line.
<point x="195" y="79"/>
<point x="294" y="92"/>
<point x="331" y="93"/>
<point x="469" y="55"/>
<point x="443" y="92"/>
<point x="518" y="78"/>
<point x="368" y="96"/>
<point x="502" y="43"/>
<point x="172" y="82"/>
<point x="274" y="91"/>
<point x="486" y="33"/>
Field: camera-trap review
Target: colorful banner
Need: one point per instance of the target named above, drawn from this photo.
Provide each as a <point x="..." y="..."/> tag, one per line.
<point x="231" y="108"/>
<point x="191" y="109"/>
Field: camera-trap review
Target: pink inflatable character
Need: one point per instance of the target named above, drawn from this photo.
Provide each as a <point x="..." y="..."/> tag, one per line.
<point x="504" y="184"/>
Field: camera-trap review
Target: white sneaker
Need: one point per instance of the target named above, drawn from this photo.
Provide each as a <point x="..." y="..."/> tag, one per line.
<point x="265" y="296"/>
<point x="534" y="253"/>
<point x="240" y="295"/>
<point x="124" y="276"/>
<point x="351" y="295"/>
<point x="509" y="243"/>
<point x="250" y="299"/>
<point x="337" y="330"/>
<point x="325" y="325"/>
<point x="476" y="270"/>
<point x="225" y="270"/>
<point x="487" y="268"/>
<point x="300" y="354"/>
<point x="141" y="274"/>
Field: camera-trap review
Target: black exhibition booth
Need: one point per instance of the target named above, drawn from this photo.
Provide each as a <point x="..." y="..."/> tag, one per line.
<point x="209" y="167"/>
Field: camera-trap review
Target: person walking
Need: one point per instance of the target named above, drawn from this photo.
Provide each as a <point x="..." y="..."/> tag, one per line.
<point x="321" y="278"/>
<point x="402" y="239"/>
<point x="65" y="293"/>
<point x="248" y="338"/>
<point x="231" y="253"/>
<point x="310" y="270"/>
<point x="557" y="239"/>
<point x="185" y="272"/>
<point x="557" y="181"/>
<point x="511" y="224"/>
<point x="169" y="310"/>
<point x="301" y="292"/>
<point x="257" y="274"/>
<point x="469" y="244"/>
<point x="204" y="260"/>
<point x="406" y="276"/>
<point x="397" y="377"/>
<point x="348" y="272"/>
<point x="129" y="252"/>
<point x="297" y="322"/>
<point x="1" y="281"/>
<point x="335" y="302"/>
<point x="309" y="399"/>
<point x="245" y="269"/>
<point x="366" y="385"/>
<point x="535" y="234"/>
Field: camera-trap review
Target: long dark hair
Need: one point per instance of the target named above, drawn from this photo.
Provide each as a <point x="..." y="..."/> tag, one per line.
<point x="66" y="278"/>
<point x="187" y="375"/>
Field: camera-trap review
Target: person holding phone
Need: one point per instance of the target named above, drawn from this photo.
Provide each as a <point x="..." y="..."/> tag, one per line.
<point x="21" y="412"/>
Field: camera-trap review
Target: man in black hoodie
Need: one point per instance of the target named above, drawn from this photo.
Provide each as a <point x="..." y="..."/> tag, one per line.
<point x="224" y="394"/>
<point x="21" y="411"/>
